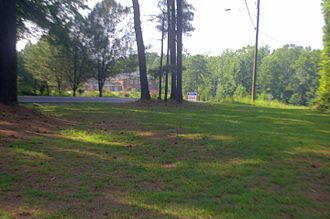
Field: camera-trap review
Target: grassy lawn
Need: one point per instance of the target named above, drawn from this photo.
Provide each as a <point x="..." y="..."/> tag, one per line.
<point x="196" y="161"/>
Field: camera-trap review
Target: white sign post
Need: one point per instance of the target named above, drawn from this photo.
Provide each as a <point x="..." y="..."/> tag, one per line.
<point x="192" y="96"/>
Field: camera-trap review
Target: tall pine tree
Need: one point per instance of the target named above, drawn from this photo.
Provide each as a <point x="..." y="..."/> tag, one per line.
<point x="145" y="95"/>
<point x="8" y="76"/>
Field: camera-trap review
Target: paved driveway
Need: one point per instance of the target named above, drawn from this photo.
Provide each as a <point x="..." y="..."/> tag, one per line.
<point x="43" y="99"/>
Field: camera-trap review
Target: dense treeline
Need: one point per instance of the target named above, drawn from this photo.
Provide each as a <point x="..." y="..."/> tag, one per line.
<point x="42" y="70"/>
<point x="288" y="74"/>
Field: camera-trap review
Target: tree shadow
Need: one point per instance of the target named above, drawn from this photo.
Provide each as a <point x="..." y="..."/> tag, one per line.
<point x="205" y="162"/>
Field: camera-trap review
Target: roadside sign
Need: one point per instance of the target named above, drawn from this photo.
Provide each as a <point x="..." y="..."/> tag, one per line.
<point x="192" y="96"/>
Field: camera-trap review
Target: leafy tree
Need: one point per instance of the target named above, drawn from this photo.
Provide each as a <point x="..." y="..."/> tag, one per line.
<point x="227" y="75"/>
<point x="152" y="60"/>
<point x="229" y="67"/>
<point x="187" y="16"/>
<point x="276" y="74"/>
<point x="128" y="64"/>
<point x="26" y="82"/>
<point x="58" y="68"/>
<point x="38" y="61"/>
<point x="47" y="15"/>
<point x="107" y="40"/>
<point x="324" y="89"/>
<point x="306" y="78"/>
<point x="196" y="73"/>
<point x="44" y="63"/>
<point x="74" y="53"/>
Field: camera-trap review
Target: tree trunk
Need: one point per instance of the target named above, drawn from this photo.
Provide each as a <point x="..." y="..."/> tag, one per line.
<point x="47" y="90"/>
<point x="166" y="73"/>
<point x="145" y="95"/>
<point x="59" y="89"/>
<point x="173" y="50"/>
<point x="42" y="89"/>
<point x="101" y="85"/>
<point x="75" y="77"/>
<point x="179" y="53"/>
<point x="161" y="59"/>
<point x="168" y="47"/>
<point x="35" y="87"/>
<point x="8" y="75"/>
<point x="100" y="92"/>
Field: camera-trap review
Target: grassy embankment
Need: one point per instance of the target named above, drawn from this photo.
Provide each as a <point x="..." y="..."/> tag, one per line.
<point x="196" y="161"/>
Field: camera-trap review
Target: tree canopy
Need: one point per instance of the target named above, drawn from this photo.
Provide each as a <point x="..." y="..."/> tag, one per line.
<point x="324" y="89"/>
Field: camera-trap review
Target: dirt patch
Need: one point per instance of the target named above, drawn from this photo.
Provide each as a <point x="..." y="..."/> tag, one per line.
<point x="169" y="166"/>
<point x="275" y="188"/>
<point x="169" y="103"/>
<point x="319" y="196"/>
<point x="22" y="123"/>
<point x="318" y="191"/>
<point x="116" y="124"/>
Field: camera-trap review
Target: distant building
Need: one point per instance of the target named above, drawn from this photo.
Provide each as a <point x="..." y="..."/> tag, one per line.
<point x="121" y="82"/>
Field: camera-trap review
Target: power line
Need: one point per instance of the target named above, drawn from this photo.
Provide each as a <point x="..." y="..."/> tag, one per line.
<point x="248" y="10"/>
<point x="271" y="37"/>
<point x="250" y="15"/>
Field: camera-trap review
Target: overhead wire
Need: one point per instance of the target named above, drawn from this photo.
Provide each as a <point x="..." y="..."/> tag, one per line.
<point x="271" y="37"/>
<point x="254" y="26"/>
<point x="248" y="10"/>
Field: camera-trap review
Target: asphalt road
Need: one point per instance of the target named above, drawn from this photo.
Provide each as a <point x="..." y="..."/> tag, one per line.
<point x="43" y="99"/>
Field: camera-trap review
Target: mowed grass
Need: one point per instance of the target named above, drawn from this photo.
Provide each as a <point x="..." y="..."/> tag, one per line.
<point x="158" y="161"/>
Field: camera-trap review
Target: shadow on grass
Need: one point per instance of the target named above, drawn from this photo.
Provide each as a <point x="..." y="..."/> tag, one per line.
<point x="213" y="161"/>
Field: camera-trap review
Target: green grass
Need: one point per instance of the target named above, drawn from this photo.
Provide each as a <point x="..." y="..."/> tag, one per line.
<point x="4" y="215"/>
<point x="7" y="182"/>
<point x="198" y="161"/>
<point x="263" y="103"/>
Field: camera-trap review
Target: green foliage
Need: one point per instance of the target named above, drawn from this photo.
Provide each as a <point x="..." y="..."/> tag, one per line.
<point x="240" y="92"/>
<point x="187" y="16"/>
<point x="196" y="73"/>
<point x="41" y="65"/>
<point x="48" y="15"/>
<point x="153" y="60"/>
<point x="288" y="74"/>
<point x="74" y="52"/>
<point x="38" y="61"/>
<point x="107" y="42"/>
<point x="116" y="94"/>
<point x="25" y="79"/>
<point x="128" y="64"/>
<point x="324" y="89"/>
<point x="306" y="77"/>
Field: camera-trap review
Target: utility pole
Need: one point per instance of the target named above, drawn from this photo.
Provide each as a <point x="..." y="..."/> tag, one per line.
<point x="255" y="63"/>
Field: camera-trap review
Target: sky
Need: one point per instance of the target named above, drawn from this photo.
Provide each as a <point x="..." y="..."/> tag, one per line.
<point x="282" y="22"/>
